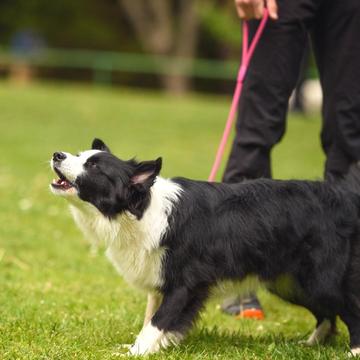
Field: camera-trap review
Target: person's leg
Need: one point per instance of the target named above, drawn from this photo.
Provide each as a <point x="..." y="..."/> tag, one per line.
<point x="337" y="50"/>
<point x="272" y="76"/>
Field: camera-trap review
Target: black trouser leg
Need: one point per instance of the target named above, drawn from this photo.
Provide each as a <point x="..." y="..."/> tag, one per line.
<point x="271" y="77"/>
<point x="337" y="50"/>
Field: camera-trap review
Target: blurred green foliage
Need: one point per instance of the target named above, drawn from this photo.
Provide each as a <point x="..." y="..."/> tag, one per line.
<point x="220" y="23"/>
<point x="90" y="24"/>
<point x="101" y="24"/>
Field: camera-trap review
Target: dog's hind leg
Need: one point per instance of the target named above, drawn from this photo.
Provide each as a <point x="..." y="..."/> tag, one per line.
<point x="350" y="314"/>
<point x="324" y="328"/>
<point x="352" y="321"/>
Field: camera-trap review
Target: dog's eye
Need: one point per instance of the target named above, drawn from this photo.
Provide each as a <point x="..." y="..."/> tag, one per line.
<point x="91" y="164"/>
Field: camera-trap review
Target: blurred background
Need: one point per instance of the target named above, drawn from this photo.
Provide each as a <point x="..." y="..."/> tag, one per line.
<point x="175" y="46"/>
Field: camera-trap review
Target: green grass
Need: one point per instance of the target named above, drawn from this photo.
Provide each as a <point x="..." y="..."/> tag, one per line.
<point x="58" y="302"/>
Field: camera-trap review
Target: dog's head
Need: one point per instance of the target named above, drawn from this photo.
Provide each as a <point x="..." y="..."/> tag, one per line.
<point x="100" y="178"/>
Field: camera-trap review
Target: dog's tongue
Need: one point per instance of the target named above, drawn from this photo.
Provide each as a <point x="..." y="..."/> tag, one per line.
<point x="61" y="182"/>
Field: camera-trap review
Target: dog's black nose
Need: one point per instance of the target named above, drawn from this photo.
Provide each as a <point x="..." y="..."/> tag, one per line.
<point x="59" y="156"/>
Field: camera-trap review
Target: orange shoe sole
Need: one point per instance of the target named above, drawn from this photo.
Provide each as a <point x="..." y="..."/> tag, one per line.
<point x="255" y="314"/>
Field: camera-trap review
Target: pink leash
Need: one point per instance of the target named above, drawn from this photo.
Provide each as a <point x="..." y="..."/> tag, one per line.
<point x="247" y="53"/>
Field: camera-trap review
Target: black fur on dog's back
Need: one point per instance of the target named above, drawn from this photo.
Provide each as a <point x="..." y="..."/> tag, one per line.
<point x="305" y="231"/>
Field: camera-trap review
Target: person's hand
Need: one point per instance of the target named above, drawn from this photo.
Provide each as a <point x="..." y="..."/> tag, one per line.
<point x="254" y="9"/>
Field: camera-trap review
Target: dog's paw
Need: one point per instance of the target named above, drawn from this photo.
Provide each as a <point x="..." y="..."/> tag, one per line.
<point x="354" y="353"/>
<point x="139" y="349"/>
<point x="145" y="346"/>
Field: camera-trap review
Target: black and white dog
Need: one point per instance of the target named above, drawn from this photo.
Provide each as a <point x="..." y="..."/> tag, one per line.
<point x="179" y="239"/>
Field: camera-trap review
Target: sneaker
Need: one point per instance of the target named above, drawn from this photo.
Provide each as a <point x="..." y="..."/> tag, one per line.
<point x="243" y="308"/>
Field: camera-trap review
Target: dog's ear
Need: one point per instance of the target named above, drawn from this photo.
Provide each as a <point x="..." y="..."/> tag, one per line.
<point x="145" y="173"/>
<point x="98" y="144"/>
<point x="140" y="182"/>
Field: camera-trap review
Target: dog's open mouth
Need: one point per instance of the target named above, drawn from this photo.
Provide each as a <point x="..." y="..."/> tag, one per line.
<point x="62" y="183"/>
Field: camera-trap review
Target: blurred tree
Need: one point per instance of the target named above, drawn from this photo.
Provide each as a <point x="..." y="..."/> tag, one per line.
<point x="221" y="29"/>
<point x="167" y="28"/>
<point x="219" y="19"/>
<point x="173" y="29"/>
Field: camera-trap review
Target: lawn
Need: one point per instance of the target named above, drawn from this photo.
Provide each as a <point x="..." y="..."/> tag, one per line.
<point x="59" y="302"/>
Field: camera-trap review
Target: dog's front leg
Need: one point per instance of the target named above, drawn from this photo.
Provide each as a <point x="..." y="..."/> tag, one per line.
<point x="170" y="322"/>
<point x="153" y="303"/>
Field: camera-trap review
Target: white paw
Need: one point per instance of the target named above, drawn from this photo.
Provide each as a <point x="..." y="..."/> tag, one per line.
<point x="354" y="352"/>
<point x="143" y="349"/>
<point x="151" y="340"/>
<point x="148" y="341"/>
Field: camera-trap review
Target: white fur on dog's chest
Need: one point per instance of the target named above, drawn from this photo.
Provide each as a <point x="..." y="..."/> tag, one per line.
<point x="133" y="246"/>
<point x="138" y="266"/>
<point x="133" y="251"/>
